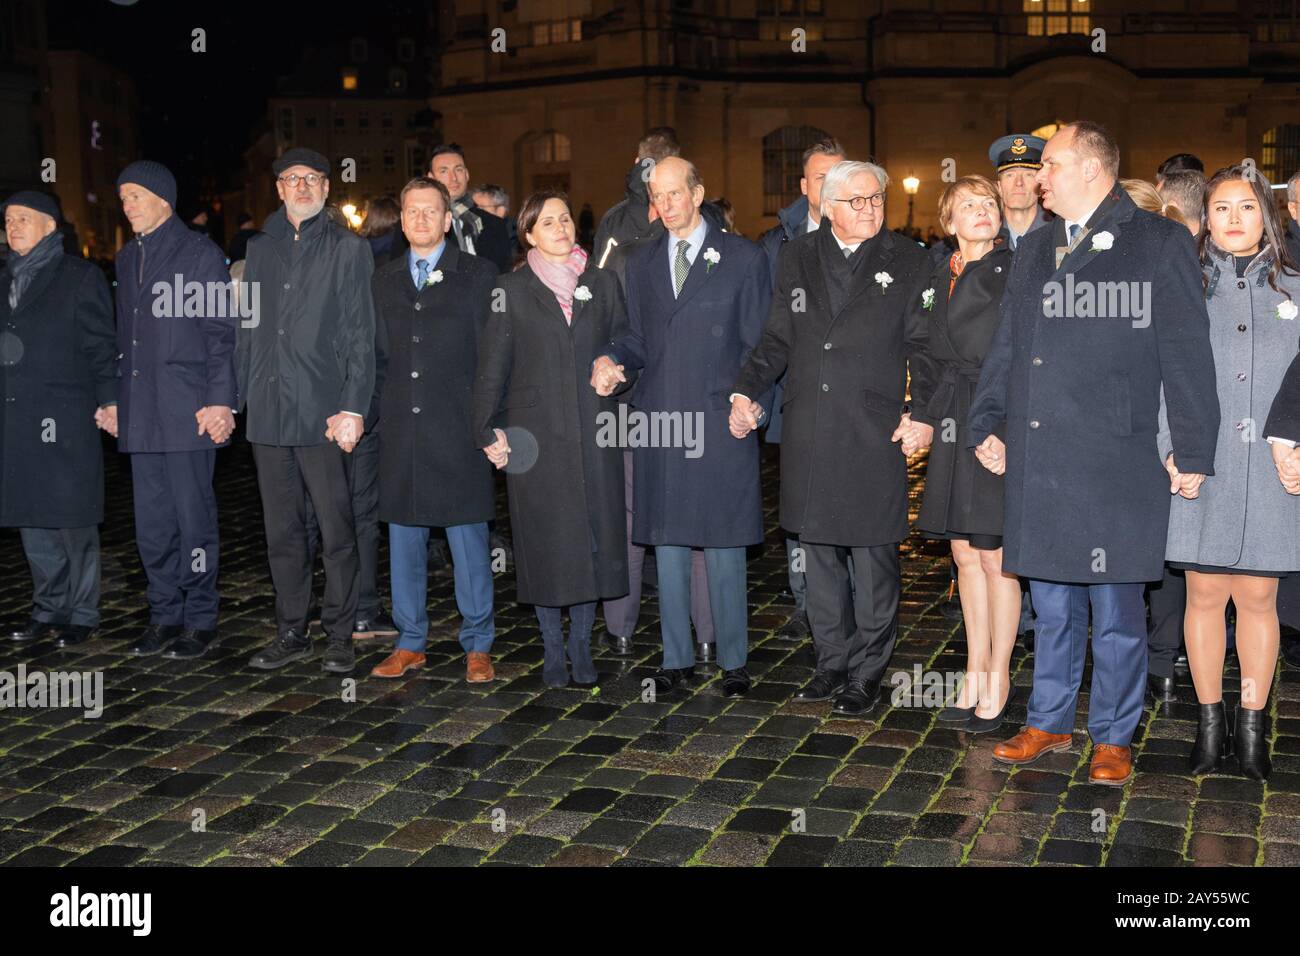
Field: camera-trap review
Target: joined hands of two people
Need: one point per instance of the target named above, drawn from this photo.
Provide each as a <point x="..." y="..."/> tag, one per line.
<point x="216" y="421"/>
<point x="345" y="430"/>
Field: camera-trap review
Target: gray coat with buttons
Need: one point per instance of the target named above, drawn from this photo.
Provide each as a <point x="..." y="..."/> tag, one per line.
<point x="1243" y="518"/>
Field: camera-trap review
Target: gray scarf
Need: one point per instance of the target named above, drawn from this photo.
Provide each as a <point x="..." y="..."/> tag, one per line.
<point x="23" y="269"/>
<point x="467" y="214"/>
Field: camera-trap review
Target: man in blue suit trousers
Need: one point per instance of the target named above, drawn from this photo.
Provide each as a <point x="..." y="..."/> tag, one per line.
<point x="1102" y="309"/>
<point x="697" y="301"/>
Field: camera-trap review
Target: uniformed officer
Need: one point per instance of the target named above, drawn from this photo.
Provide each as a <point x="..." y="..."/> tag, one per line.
<point x="1016" y="158"/>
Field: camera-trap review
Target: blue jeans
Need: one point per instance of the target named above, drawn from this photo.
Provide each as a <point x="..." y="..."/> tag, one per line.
<point x="408" y="552"/>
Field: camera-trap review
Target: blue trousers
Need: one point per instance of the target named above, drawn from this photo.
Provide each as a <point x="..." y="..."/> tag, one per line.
<point x="408" y="551"/>
<point x="727" y="597"/>
<point x="1119" y="658"/>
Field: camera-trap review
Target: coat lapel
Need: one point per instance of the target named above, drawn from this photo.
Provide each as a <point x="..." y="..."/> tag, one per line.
<point x="40" y="282"/>
<point x="549" y="303"/>
<point x="811" y="267"/>
<point x="1116" y="210"/>
<point x="700" y="271"/>
<point x="877" y="260"/>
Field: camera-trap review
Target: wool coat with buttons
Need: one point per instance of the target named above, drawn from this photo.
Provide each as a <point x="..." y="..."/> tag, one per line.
<point x="432" y="471"/>
<point x="58" y="363"/>
<point x="172" y="363"/>
<point x="1086" y="498"/>
<point x="1243" y="518"/>
<point x="846" y="362"/>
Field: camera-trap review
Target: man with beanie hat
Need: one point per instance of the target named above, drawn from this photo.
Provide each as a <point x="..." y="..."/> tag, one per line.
<point x="57" y="368"/>
<point x="306" y="370"/>
<point x="174" y="406"/>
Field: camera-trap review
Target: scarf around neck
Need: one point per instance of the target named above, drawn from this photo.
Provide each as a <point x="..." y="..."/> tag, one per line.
<point x="561" y="278"/>
<point x="23" y="269"/>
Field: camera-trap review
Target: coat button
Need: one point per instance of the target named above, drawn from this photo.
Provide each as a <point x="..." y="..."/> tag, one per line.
<point x="1239" y="426"/>
<point x="279" y="331"/>
<point x="827" y="346"/>
<point x="133" y="342"/>
<point x="1037" y="360"/>
<point x="1241" y="376"/>
<point x="417" y="307"/>
<point x="415" y="375"/>
<point x="135" y="373"/>
<point x="1034" y="423"/>
<point x="1241" y="327"/>
<point x="415" y="410"/>
<point x="270" y="380"/>
<point x="415" y="339"/>
<point x="1241" y="283"/>
<point x="825" y="388"/>
<point x="286" y="286"/>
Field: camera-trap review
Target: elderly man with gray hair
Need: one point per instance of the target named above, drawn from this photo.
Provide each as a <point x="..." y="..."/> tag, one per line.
<point x="846" y="328"/>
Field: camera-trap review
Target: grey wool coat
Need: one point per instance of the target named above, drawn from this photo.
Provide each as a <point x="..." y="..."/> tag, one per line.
<point x="1243" y="518"/>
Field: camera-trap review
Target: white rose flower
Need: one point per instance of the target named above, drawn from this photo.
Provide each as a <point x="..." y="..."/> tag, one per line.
<point x="582" y="294"/>
<point x="1287" y="310"/>
<point x="1102" y="241"/>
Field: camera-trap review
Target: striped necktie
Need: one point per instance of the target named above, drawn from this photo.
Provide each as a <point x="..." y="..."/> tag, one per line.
<point x="681" y="267"/>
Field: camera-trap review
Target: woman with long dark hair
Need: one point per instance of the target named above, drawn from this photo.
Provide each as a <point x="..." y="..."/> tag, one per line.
<point x="1241" y="534"/>
<point x="537" y="417"/>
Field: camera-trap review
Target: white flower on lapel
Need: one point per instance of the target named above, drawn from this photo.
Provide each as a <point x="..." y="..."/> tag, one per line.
<point x="1287" y="310"/>
<point x="1102" y="241"/>
<point x="433" y="278"/>
<point x="884" y="278"/>
<point x="712" y="257"/>
<point x="927" y="300"/>
<point x="582" y="294"/>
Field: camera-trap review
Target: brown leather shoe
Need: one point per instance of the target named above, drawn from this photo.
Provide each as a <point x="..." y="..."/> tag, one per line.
<point x="1112" y="765"/>
<point x="478" y="668"/>
<point x="1030" y="744"/>
<point x="398" y="663"/>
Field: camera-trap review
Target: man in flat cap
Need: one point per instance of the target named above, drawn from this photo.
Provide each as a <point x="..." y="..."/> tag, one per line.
<point x="174" y="406"/>
<point x="58" y="368"/>
<point x="1017" y="158"/>
<point x="306" y="370"/>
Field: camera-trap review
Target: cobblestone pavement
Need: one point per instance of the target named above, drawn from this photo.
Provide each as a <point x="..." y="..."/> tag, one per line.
<point x="208" y="763"/>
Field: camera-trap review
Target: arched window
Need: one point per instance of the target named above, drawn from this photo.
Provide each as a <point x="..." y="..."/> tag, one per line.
<point x="783" y="164"/>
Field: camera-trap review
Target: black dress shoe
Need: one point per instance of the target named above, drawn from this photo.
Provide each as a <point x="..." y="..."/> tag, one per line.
<point x="795" y="629"/>
<point x="1211" y="738"/>
<point x="153" y="639"/>
<point x="668" y="679"/>
<point x="736" y="683"/>
<point x="285" y="649"/>
<point x="74" y="634"/>
<point x="1251" y="741"/>
<point x="33" y="630"/>
<point x="823" y="686"/>
<point x="378" y="625"/>
<point x="1162" y="688"/>
<point x="193" y="643"/>
<point x="958" y="716"/>
<point x="340" y="656"/>
<point x="622" y="646"/>
<point x="706" y="653"/>
<point x="857" y="698"/>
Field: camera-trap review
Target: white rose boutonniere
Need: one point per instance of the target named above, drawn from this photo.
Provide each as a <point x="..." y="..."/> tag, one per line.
<point x="582" y="294"/>
<point x="1287" y="310"/>
<point x="884" y="278"/>
<point x="1102" y="241"/>
<point x="927" y="300"/>
<point x="712" y="257"/>
<point x="433" y="278"/>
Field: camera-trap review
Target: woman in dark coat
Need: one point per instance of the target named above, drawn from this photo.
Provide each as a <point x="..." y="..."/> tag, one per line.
<point x="963" y="500"/>
<point x="537" y="417"/>
<point x="1241" y="534"/>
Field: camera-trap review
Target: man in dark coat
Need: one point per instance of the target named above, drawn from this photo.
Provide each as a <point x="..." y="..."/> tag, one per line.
<point x="1101" y="310"/>
<point x="1282" y="431"/>
<point x="474" y="230"/>
<point x="432" y="306"/>
<point x="1293" y="207"/>
<point x="844" y="324"/>
<point x="697" y="301"/>
<point x="631" y="218"/>
<point x="306" y="370"/>
<point x="176" y="333"/>
<point x="802" y="216"/>
<point x="58" y="369"/>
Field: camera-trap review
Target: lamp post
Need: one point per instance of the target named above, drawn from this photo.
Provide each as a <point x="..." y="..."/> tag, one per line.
<point x="910" y="185"/>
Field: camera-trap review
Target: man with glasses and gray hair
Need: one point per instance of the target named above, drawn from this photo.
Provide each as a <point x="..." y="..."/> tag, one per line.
<point x="845" y="330"/>
<point x="306" y="370"/>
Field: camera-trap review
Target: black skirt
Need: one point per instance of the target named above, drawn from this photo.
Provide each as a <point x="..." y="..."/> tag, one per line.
<point x="1217" y="569"/>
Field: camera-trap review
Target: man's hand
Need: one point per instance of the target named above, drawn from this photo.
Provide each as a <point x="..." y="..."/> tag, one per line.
<point x="913" y="436"/>
<point x="1185" y="484"/>
<point x="106" y="418"/>
<point x="499" y="451"/>
<point x="745" y="416"/>
<point x="345" y="430"/>
<point x="217" y="421"/>
<point x="992" y="454"/>
<point x="1287" y="462"/>
<point x="605" y="376"/>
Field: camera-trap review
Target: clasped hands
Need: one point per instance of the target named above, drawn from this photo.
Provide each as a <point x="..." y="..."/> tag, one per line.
<point x="1287" y="462"/>
<point x="345" y="430"/>
<point x="605" y="376"/>
<point x="913" y="436"/>
<point x="1185" y="485"/>
<point x="499" y="451"/>
<point x="216" y="421"/>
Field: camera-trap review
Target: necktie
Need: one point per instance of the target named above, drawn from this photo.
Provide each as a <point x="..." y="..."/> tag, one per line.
<point x="848" y="253"/>
<point x="422" y="266"/>
<point x="1071" y="232"/>
<point x="680" y="267"/>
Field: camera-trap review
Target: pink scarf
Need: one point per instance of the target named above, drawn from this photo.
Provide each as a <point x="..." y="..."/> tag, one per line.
<point x="560" y="278"/>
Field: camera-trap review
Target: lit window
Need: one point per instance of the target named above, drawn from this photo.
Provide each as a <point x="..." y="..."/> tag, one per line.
<point x="1052" y="17"/>
<point x="349" y="76"/>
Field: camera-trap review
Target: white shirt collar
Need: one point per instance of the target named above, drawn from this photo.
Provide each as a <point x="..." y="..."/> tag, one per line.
<point x="1080" y="222"/>
<point x="812" y="226"/>
<point x="844" y="245"/>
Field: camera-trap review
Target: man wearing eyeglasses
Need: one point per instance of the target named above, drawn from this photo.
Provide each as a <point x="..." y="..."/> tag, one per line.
<point x="845" y="330"/>
<point x="306" y="371"/>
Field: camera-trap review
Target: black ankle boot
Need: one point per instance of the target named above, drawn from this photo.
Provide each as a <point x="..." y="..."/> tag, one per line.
<point x="555" y="670"/>
<point x="1211" y="739"/>
<point x="1252" y="743"/>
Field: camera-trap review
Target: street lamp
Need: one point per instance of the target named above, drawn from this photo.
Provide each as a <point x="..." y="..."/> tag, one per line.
<point x="910" y="185"/>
